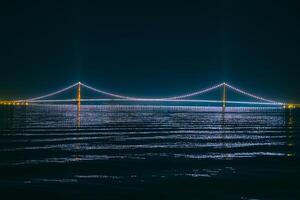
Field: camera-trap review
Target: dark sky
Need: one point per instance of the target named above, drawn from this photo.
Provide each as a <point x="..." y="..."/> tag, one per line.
<point x="150" y="49"/>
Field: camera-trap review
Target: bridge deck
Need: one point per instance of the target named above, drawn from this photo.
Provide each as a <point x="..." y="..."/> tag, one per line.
<point x="187" y="98"/>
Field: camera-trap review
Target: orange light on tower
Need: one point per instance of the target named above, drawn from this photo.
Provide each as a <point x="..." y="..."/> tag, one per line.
<point x="79" y="95"/>
<point x="78" y="104"/>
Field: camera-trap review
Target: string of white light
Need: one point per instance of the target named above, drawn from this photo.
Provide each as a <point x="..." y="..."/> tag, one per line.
<point x="159" y="100"/>
<point x="168" y="98"/>
<point x="181" y="97"/>
<point x="196" y="93"/>
<point x="107" y="93"/>
<point x="251" y="95"/>
<point x="53" y="93"/>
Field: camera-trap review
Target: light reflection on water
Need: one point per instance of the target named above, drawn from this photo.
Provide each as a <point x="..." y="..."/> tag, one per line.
<point x="145" y="144"/>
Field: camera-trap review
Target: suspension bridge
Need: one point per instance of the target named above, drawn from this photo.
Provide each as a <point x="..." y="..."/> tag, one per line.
<point x="185" y="98"/>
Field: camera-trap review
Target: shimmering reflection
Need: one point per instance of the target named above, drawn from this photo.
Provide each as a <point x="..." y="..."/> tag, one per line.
<point x="79" y="144"/>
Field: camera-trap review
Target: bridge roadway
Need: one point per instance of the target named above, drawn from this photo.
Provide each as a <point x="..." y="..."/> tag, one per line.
<point x="27" y="103"/>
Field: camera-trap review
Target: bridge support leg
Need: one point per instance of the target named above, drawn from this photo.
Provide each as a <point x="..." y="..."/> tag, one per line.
<point x="78" y="96"/>
<point x="78" y="104"/>
<point x="224" y="98"/>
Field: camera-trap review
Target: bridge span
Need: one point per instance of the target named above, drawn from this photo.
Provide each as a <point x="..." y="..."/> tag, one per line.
<point x="185" y="98"/>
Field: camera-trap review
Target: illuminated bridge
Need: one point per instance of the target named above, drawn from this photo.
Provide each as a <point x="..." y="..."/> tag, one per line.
<point x="192" y="97"/>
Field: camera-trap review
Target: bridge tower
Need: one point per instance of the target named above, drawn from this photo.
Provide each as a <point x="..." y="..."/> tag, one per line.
<point x="78" y="95"/>
<point x="224" y="97"/>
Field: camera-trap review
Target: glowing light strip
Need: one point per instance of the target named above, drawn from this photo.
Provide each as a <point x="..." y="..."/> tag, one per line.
<point x="53" y="93"/>
<point x="196" y="93"/>
<point x="159" y="100"/>
<point x="168" y="98"/>
<point x="107" y="93"/>
<point x="251" y="95"/>
<point x="51" y="101"/>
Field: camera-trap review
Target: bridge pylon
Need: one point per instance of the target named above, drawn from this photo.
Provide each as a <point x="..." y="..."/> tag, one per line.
<point x="224" y="97"/>
<point x="78" y="95"/>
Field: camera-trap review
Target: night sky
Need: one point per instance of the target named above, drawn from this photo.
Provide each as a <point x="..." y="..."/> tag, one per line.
<point x="150" y="49"/>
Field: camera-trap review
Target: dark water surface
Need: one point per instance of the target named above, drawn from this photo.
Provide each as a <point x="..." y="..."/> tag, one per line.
<point x="110" y="152"/>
